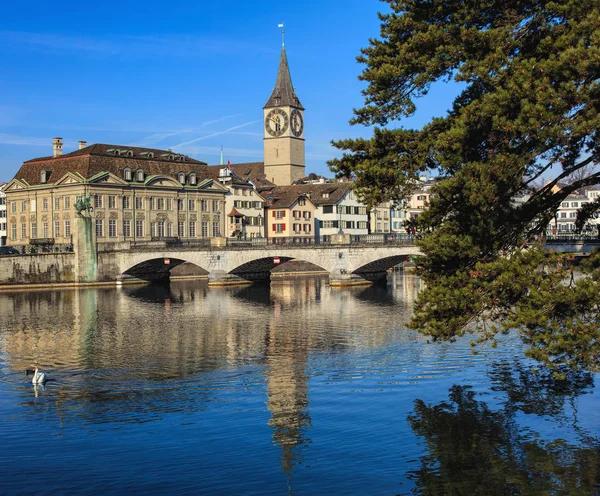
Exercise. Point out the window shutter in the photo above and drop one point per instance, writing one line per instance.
(274, 227)
(273, 213)
(283, 227)
(283, 215)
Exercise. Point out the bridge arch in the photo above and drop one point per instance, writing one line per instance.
(261, 268)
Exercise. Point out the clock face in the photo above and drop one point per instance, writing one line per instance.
(297, 124)
(276, 122)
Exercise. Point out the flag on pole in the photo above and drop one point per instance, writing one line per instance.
(228, 163)
(280, 25)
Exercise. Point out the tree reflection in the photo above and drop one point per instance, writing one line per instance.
(473, 449)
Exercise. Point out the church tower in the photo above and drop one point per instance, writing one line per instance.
(284, 130)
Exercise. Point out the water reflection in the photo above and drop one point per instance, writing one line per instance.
(473, 448)
(254, 359)
(102, 346)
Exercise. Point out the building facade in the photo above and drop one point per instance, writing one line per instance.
(337, 208)
(137, 194)
(3, 231)
(244, 207)
(289, 215)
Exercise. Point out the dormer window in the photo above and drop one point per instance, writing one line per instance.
(129, 153)
(171, 156)
(139, 175)
(181, 177)
(44, 177)
(127, 174)
(325, 195)
(193, 179)
(150, 154)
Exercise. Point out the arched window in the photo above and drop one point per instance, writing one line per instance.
(193, 179)
(181, 176)
(140, 175)
(44, 176)
(127, 174)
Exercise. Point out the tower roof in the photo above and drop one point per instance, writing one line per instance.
(283, 93)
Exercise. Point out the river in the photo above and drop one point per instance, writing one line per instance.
(292, 388)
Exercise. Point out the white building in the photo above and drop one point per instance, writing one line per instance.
(2, 215)
(244, 207)
(566, 216)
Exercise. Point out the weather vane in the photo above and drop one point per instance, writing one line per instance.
(282, 26)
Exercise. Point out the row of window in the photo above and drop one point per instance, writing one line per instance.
(248, 221)
(56, 231)
(140, 175)
(297, 214)
(242, 192)
(160, 229)
(247, 204)
(296, 228)
(157, 203)
(345, 209)
(346, 224)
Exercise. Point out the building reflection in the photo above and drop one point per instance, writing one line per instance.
(161, 348)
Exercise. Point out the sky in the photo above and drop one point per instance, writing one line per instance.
(190, 76)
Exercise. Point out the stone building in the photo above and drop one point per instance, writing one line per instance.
(137, 194)
(2, 214)
(284, 159)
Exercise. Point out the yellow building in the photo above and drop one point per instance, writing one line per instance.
(137, 194)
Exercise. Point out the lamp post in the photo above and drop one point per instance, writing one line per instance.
(375, 219)
(341, 231)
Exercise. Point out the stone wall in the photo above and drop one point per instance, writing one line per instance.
(45, 268)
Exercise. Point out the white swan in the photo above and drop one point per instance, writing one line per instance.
(38, 377)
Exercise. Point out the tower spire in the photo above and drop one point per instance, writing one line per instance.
(284, 93)
(282, 26)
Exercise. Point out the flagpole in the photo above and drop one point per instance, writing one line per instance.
(222, 163)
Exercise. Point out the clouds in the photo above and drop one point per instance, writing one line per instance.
(110, 45)
(212, 135)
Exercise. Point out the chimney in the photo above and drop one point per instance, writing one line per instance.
(82, 144)
(57, 145)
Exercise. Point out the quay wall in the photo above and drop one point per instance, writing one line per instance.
(44, 268)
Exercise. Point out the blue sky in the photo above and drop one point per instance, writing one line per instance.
(186, 75)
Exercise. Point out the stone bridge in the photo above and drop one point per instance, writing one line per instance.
(346, 264)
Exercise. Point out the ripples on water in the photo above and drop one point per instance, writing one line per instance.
(294, 388)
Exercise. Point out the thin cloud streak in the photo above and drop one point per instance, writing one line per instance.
(111, 45)
(157, 137)
(201, 138)
(14, 139)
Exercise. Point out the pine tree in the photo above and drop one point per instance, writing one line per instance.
(529, 108)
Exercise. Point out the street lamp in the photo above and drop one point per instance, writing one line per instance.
(375, 219)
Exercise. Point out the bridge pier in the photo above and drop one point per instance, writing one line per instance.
(341, 277)
(222, 278)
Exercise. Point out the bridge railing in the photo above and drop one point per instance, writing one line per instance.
(383, 238)
(287, 241)
(572, 238)
(172, 243)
